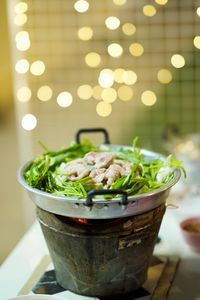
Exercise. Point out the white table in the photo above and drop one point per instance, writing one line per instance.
(24, 259)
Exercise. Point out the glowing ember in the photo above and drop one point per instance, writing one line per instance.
(80, 220)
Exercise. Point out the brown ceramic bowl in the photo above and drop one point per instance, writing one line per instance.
(191, 232)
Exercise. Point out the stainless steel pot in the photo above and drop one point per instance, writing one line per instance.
(97, 207)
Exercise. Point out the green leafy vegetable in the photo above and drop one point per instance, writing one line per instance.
(146, 173)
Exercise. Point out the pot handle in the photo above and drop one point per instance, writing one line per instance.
(91, 194)
(90, 130)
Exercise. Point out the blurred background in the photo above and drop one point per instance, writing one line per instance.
(132, 67)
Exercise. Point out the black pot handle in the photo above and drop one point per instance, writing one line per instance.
(90, 130)
(91, 194)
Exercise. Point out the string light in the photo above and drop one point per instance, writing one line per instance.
(148, 98)
(109, 95)
(161, 2)
(196, 42)
(129, 77)
(178, 61)
(29, 122)
(164, 76)
(21, 7)
(119, 2)
(85, 33)
(92, 59)
(22, 66)
(128, 28)
(136, 49)
(23, 45)
(103, 109)
(21, 35)
(22, 40)
(44, 93)
(106, 78)
(64, 99)
(24, 94)
(81, 6)
(104, 91)
(125, 93)
(112, 23)
(115, 50)
(149, 10)
(20, 19)
(85, 92)
(37, 68)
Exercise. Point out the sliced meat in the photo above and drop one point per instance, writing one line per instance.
(113, 173)
(125, 165)
(99, 159)
(75, 169)
(102, 167)
(90, 158)
(98, 175)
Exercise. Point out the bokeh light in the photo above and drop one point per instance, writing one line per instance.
(29, 122)
(21, 7)
(129, 77)
(85, 33)
(196, 41)
(198, 11)
(161, 2)
(37, 68)
(85, 91)
(23, 45)
(22, 41)
(109, 95)
(118, 75)
(24, 94)
(106, 78)
(81, 6)
(125, 93)
(164, 76)
(149, 10)
(136, 49)
(97, 91)
(44, 93)
(119, 2)
(178, 61)
(128, 28)
(21, 34)
(64, 99)
(103, 109)
(22, 66)
(112, 23)
(148, 98)
(20, 19)
(115, 50)
(93, 59)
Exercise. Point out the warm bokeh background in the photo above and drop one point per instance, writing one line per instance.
(150, 50)
(11, 208)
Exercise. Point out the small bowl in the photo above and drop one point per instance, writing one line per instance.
(191, 232)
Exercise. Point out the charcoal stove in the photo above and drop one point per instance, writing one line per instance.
(101, 258)
(161, 274)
